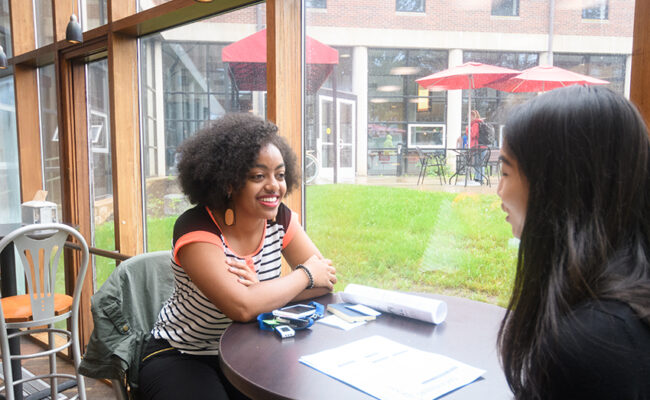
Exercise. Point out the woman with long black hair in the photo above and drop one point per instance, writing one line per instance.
(576, 189)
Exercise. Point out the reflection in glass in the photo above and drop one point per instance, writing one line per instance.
(184, 84)
(345, 157)
(604, 66)
(346, 121)
(101, 168)
(9, 173)
(395, 100)
(5, 28)
(49, 135)
(426, 136)
(43, 22)
(93, 14)
(342, 73)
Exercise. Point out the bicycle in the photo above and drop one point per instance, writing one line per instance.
(312, 166)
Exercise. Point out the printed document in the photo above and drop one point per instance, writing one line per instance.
(389, 370)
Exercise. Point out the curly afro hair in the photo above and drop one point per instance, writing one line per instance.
(219, 157)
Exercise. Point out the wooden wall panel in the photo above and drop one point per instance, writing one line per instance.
(22, 26)
(26, 95)
(283, 78)
(118, 9)
(29, 137)
(640, 77)
(125, 143)
(61, 12)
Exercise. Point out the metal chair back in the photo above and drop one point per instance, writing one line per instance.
(40, 247)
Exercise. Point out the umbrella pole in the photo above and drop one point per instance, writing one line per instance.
(469, 116)
(469, 110)
(469, 125)
(469, 130)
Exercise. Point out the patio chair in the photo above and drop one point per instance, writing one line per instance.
(493, 162)
(463, 160)
(124, 310)
(40, 247)
(436, 160)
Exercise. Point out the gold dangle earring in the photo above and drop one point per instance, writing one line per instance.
(229, 216)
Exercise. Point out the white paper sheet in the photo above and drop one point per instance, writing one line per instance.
(391, 371)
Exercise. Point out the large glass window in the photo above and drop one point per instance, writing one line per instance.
(5, 28)
(49, 135)
(608, 67)
(364, 206)
(396, 101)
(184, 84)
(505, 8)
(9, 172)
(596, 9)
(43, 22)
(93, 14)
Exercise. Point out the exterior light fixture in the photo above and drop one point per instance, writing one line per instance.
(3, 58)
(73, 32)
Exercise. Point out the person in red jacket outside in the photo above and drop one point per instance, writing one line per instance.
(474, 143)
(473, 132)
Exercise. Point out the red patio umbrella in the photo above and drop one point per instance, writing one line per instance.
(471, 75)
(247, 62)
(543, 78)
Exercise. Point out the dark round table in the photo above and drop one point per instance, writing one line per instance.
(263, 366)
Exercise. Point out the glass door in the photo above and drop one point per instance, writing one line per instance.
(337, 162)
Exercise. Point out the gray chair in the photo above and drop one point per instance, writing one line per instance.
(40, 247)
(124, 310)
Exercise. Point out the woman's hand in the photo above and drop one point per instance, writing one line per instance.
(244, 275)
(322, 271)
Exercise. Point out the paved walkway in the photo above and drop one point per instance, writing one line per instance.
(431, 183)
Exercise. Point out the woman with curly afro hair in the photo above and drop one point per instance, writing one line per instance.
(227, 254)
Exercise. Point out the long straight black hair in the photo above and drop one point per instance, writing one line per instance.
(585, 152)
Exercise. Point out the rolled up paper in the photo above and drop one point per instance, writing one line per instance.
(418, 307)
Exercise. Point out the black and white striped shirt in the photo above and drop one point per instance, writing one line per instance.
(188, 320)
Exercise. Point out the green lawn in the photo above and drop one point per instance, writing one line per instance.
(395, 238)
(406, 239)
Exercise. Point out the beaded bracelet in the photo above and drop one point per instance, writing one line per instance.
(309, 275)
